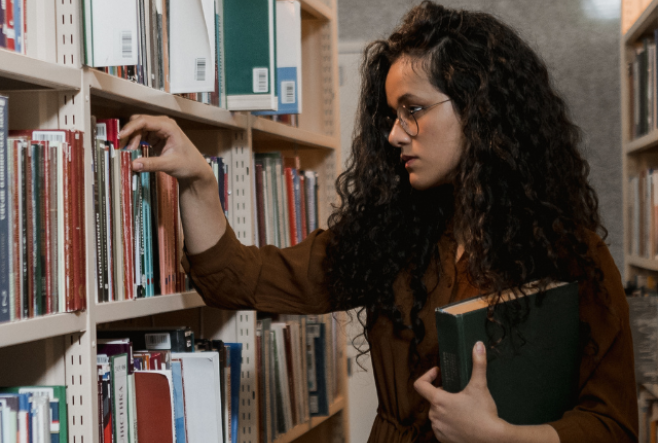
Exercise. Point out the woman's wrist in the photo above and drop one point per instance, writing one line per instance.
(509, 433)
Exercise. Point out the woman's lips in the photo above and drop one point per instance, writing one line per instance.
(407, 160)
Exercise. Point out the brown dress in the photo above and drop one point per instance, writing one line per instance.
(232, 276)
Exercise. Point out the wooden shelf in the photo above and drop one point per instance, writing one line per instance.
(19, 72)
(122, 98)
(38, 328)
(646, 22)
(317, 10)
(303, 428)
(122, 310)
(640, 144)
(641, 262)
(265, 130)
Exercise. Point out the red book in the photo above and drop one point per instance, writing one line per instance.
(290, 192)
(9, 25)
(126, 214)
(153, 399)
(302, 199)
(68, 255)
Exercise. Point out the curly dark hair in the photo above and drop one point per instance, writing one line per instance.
(521, 190)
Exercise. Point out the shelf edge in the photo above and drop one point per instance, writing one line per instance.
(123, 310)
(39, 328)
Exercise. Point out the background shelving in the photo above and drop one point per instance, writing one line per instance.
(50, 89)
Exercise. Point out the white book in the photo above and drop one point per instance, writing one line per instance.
(280, 361)
(192, 46)
(112, 27)
(203, 401)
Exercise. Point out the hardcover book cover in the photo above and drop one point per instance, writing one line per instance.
(533, 371)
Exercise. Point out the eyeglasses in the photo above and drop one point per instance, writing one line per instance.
(406, 117)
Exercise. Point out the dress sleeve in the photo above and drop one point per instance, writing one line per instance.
(606, 410)
(233, 276)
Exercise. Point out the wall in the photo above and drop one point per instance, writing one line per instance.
(578, 39)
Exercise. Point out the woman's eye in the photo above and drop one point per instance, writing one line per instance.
(414, 109)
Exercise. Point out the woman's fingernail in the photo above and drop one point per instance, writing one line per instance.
(479, 347)
(137, 166)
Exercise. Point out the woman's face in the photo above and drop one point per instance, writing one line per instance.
(430, 157)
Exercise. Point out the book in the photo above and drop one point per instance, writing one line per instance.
(179, 402)
(235, 350)
(111, 32)
(5, 220)
(201, 381)
(250, 56)
(119, 396)
(192, 45)
(288, 58)
(318, 396)
(532, 372)
(175, 339)
(153, 394)
(46, 394)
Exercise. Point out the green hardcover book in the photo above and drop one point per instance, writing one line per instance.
(120, 398)
(250, 45)
(532, 372)
(55, 393)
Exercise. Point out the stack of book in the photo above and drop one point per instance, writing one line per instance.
(200, 49)
(286, 200)
(42, 252)
(642, 214)
(138, 229)
(36, 414)
(13, 26)
(296, 366)
(642, 85)
(162, 385)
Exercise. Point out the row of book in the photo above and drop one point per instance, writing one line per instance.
(137, 223)
(648, 416)
(42, 229)
(296, 359)
(642, 214)
(286, 206)
(163, 385)
(643, 87)
(200, 48)
(33, 414)
(13, 27)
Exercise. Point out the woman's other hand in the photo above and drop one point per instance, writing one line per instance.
(468, 416)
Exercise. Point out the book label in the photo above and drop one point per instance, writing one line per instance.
(260, 78)
(158, 341)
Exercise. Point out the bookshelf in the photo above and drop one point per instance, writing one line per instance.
(49, 88)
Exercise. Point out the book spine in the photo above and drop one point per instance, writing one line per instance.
(260, 204)
(126, 213)
(5, 226)
(453, 362)
(54, 229)
(292, 213)
(17, 257)
(68, 241)
(98, 218)
(45, 230)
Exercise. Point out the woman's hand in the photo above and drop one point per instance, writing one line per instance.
(468, 416)
(201, 212)
(177, 155)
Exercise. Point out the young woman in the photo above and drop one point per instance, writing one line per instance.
(465, 178)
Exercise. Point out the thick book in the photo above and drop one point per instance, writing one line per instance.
(111, 32)
(288, 58)
(250, 56)
(533, 368)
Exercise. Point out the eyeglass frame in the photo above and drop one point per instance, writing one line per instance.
(404, 122)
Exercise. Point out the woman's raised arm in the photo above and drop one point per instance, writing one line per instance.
(201, 211)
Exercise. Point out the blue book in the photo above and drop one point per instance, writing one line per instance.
(5, 224)
(54, 421)
(179, 405)
(148, 237)
(235, 356)
(18, 27)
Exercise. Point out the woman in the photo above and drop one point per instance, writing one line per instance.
(465, 178)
